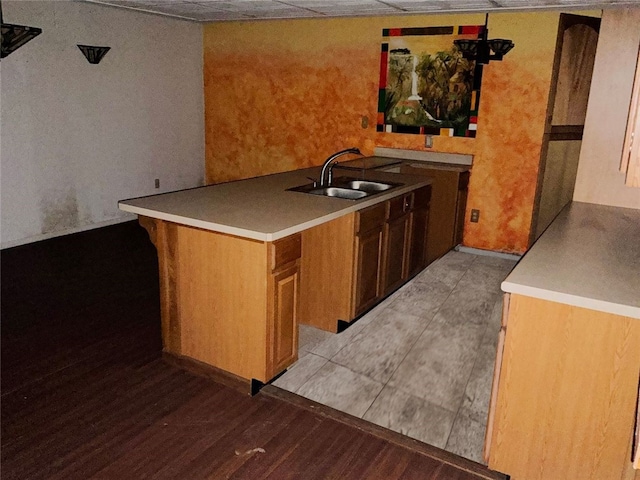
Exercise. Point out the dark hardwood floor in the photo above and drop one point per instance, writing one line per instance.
(86, 394)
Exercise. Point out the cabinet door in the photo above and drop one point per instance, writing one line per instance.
(396, 242)
(419, 231)
(368, 268)
(568, 380)
(396, 234)
(442, 217)
(284, 318)
(418, 241)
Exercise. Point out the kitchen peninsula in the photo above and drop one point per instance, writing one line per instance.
(230, 259)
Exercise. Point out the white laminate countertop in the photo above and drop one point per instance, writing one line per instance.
(588, 257)
(261, 208)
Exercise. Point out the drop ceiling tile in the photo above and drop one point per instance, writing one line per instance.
(314, 3)
(122, 3)
(220, 10)
(355, 8)
(162, 2)
(186, 7)
(419, 5)
(523, 3)
(249, 6)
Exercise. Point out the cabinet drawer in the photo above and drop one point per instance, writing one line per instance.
(398, 206)
(286, 250)
(370, 218)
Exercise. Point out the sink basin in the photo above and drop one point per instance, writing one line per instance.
(346, 188)
(339, 192)
(367, 186)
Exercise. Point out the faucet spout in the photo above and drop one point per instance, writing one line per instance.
(326, 175)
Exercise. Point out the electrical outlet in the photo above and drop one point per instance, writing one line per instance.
(364, 121)
(428, 141)
(475, 215)
(157, 183)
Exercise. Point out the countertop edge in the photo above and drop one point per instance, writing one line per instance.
(191, 222)
(272, 236)
(573, 300)
(586, 258)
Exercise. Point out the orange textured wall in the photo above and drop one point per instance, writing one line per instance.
(282, 95)
(513, 105)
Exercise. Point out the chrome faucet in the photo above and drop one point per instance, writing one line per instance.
(328, 164)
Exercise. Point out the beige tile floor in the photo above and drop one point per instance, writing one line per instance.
(421, 362)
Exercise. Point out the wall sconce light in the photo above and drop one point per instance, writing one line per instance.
(15, 36)
(480, 50)
(93, 54)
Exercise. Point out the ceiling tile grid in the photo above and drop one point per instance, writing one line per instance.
(226, 10)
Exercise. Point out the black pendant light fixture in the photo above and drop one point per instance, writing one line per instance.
(15, 36)
(483, 50)
(93, 54)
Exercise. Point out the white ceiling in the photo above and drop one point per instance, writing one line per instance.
(223, 10)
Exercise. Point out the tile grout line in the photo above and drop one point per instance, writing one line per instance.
(466, 384)
(378, 317)
(475, 362)
(416, 341)
(399, 363)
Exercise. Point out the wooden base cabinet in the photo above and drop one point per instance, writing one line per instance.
(448, 206)
(397, 230)
(228, 302)
(419, 238)
(351, 263)
(283, 288)
(369, 257)
(565, 393)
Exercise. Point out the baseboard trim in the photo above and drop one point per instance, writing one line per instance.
(69, 231)
(209, 371)
(488, 253)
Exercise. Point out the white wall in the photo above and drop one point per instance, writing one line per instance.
(599, 179)
(76, 137)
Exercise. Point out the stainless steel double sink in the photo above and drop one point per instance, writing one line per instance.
(347, 188)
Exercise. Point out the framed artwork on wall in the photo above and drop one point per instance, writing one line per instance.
(426, 86)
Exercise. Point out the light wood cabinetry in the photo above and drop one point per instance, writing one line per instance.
(397, 230)
(228, 302)
(565, 393)
(326, 273)
(448, 206)
(282, 315)
(369, 254)
(284, 341)
(599, 179)
(351, 263)
(419, 231)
